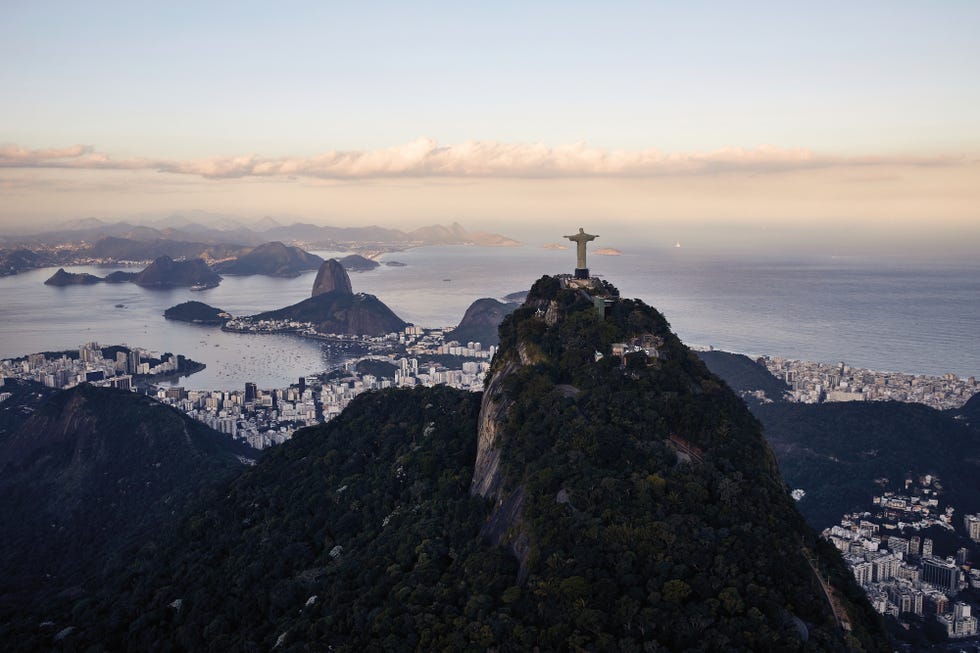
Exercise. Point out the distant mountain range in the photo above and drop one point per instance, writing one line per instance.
(309, 236)
(236, 247)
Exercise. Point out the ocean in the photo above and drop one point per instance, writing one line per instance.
(884, 314)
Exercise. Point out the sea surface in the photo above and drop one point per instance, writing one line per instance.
(885, 314)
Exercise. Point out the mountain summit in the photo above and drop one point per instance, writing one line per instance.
(332, 277)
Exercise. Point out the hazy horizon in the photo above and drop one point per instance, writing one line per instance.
(783, 126)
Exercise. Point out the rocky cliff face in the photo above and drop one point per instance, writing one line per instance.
(488, 479)
(332, 278)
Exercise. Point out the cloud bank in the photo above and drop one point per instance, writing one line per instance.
(425, 158)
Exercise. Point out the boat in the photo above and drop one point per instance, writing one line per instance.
(200, 286)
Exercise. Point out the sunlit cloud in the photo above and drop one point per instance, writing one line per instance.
(426, 158)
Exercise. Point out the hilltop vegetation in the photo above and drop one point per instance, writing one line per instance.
(835, 451)
(88, 476)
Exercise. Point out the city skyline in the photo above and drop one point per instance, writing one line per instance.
(778, 120)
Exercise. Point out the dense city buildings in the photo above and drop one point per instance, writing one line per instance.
(818, 382)
(265, 417)
(897, 569)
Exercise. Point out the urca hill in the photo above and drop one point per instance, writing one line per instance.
(606, 493)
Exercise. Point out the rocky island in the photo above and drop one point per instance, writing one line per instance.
(197, 313)
(165, 272)
(62, 278)
(358, 263)
(607, 251)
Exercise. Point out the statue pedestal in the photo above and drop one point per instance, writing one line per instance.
(581, 273)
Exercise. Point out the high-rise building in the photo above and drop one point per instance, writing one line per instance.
(134, 361)
(972, 523)
(898, 545)
(915, 545)
(962, 555)
(862, 573)
(251, 392)
(941, 574)
(926, 547)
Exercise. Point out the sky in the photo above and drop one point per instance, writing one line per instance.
(854, 122)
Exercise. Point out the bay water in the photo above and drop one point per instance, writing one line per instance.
(884, 314)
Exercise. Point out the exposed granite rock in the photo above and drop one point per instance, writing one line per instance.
(487, 478)
(332, 278)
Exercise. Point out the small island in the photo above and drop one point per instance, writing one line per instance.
(62, 278)
(395, 264)
(165, 272)
(358, 263)
(197, 313)
(607, 251)
(555, 246)
(120, 276)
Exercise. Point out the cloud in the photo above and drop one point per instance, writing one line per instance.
(425, 158)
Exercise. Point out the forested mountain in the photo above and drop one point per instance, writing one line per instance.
(743, 374)
(481, 321)
(836, 451)
(584, 502)
(274, 259)
(87, 476)
(165, 272)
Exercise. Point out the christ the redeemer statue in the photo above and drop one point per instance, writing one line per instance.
(580, 239)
